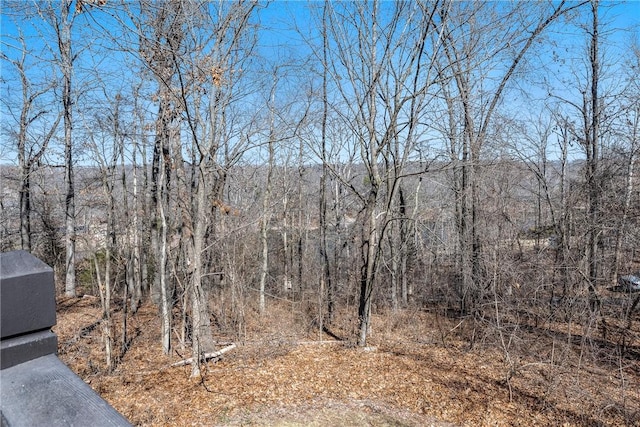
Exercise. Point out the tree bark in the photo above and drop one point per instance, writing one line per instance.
(66, 65)
(593, 158)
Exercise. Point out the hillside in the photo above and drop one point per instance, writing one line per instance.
(419, 370)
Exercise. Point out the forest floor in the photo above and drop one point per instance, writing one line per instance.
(419, 370)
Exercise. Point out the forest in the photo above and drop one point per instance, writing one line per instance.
(402, 177)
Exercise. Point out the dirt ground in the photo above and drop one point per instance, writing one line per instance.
(417, 371)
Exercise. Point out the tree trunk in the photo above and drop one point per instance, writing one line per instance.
(25, 205)
(161, 265)
(64, 44)
(201, 338)
(593, 156)
(368, 271)
(264, 231)
(324, 250)
(264, 225)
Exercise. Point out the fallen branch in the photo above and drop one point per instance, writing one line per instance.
(206, 356)
(318, 342)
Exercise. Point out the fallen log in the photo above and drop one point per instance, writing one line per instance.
(206, 356)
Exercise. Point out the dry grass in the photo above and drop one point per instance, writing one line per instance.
(418, 371)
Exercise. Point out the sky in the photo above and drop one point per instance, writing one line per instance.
(278, 18)
(278, 38)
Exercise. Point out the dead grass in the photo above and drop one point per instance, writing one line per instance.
(418, 371)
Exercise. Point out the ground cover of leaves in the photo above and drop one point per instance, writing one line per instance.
(417, 371)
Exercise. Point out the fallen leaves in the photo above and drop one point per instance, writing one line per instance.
(398, 381)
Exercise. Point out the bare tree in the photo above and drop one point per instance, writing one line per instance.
(266, 198)
(161, 38)
(61, 21)
(587, 119)
(327, 281)
(63, 24)
(198, 74)
(382, 85)
(30, 150)
(592, 116)
(470, 50)
(585, 129)
(630, 133)
(107, 142)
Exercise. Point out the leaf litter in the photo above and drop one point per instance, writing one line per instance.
(410, 376)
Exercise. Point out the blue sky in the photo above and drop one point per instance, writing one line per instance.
(279, 17)
(278, 38)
